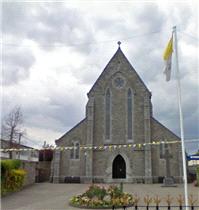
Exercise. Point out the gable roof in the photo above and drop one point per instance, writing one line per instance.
(5, 144)
(73, 128)
(119, 55)
(160, 124)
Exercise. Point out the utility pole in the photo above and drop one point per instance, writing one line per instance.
(44, 154)
(10, 142)
(181, 120)
(19, 143)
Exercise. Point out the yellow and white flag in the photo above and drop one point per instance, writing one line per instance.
(167, 56)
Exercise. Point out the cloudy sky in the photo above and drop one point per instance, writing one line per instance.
(53, 52)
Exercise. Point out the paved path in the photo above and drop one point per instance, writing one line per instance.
(47, 196)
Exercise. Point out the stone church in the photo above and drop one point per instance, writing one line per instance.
(118, 112)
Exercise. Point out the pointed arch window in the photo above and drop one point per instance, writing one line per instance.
(77, 150)
(130, 114)
(108, 114)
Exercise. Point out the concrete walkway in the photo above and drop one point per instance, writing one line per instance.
(47, 196)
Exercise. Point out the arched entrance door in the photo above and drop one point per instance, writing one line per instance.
(119, 168)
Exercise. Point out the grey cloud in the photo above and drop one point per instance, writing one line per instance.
(147, 59)
(111, 26)
(65, 26)
(148, 62)
(150, 18)
(182, 11)
(53, 24)
(50, 117)
(168, 113)
(142, 20)
(170, 119)
(59, 111)
(70, 107)
(16, 64)
(47, 24)
(87, 74)
(14, 16)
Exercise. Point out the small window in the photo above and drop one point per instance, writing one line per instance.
(162, 150)
(74, 152)
(77, 151)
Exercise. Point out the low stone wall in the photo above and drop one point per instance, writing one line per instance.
(30, 168)
(43, 169)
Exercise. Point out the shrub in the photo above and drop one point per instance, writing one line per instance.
(7, 165)
(114, 191)
(15, 179)
(12, 178)
(197, 176)
(100, 197)
(96, 191)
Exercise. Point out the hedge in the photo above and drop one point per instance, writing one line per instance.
(12, 177)
(197, 175)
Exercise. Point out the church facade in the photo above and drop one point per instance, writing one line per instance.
(118, 114)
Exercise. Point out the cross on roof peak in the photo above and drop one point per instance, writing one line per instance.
(119, 43)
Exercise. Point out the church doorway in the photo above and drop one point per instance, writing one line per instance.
(119, 168)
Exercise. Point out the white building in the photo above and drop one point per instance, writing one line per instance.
(26, 154)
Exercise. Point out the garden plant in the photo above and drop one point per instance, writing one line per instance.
(12, 177)
(101, 197)
(197, 176)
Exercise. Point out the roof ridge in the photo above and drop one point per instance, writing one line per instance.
(165, 127)
(57, 140)
(119, 51)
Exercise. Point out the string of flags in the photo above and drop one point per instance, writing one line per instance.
(90, 147)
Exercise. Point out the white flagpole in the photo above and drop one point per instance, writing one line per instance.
(181, 118)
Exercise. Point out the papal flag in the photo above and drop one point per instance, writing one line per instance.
(168, 58)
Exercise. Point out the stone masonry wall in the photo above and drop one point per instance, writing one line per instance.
(119, 67)
(67, 166)
(141, 163)
(118, 103)
(160, 132)
(134, 163)
(30, 167)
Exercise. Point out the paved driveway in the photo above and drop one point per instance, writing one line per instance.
(47, 196)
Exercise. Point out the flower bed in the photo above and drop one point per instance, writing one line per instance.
(101, 197)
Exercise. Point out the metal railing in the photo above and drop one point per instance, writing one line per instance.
(162, 207)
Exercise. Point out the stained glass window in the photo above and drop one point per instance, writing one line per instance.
(108, 113)
(76, 150)
(119, 82)
(129, 117)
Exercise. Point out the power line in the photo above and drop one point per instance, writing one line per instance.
(191, 36)
(85, 43)
(32, 141)
(95, 42)
(191, 140)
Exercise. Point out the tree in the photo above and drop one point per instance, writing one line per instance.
(197, 153)
(11, 126)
